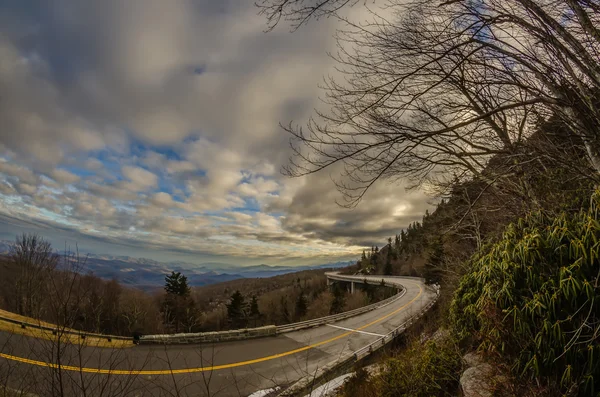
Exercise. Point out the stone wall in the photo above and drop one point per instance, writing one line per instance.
(210, 337)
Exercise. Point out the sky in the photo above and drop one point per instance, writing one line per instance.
(150, 128)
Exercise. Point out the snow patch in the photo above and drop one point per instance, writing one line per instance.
(265, 392)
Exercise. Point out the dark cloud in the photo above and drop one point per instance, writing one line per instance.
(153, 125)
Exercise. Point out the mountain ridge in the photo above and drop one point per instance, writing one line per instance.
(148, 274)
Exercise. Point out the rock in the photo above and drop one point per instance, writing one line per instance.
(439, 334)
(472, 359)
(374, 369)
(478, 381)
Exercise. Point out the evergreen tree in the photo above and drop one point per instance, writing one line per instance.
(237, 310)
(285, 312)
(403, 242)
(433, 266)
(370, 290)
(254, 310)
(301, 305)
(375, 257)
(337, 305)
(387, 270)
(178, 308)
(176, 284)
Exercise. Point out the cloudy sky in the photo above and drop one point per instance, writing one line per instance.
(149, 128)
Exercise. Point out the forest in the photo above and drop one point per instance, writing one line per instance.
(42, 284)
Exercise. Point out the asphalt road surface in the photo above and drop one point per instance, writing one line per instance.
(223, 369)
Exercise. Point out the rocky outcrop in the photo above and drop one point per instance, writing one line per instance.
(472, 359)
(480, 379)
(476, 381)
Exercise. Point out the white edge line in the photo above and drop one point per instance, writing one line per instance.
(354, 330)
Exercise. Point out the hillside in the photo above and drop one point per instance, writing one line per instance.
(519, 281)
(123, 295)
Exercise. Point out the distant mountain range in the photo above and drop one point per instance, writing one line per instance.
(149, 274)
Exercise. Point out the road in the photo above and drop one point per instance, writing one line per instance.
(224, 369)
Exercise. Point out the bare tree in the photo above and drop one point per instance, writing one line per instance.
(439, 88)
(35, 260)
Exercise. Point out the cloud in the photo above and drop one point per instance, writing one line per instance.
(63, 176)
(140, 178)
(154, 125)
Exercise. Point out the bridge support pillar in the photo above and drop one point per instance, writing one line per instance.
(328, 282)
(352, 287)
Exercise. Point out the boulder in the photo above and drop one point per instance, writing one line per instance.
(472, 359)
(478, 381)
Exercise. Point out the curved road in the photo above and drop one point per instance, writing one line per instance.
(224, 369)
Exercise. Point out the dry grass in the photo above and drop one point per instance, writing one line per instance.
(91, 341)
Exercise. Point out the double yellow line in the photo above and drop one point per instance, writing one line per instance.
(202, 369)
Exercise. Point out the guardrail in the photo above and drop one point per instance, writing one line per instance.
(239, 334)
(306, 384)
(56, 331)
(370, 348)
(210, 337)
(272, 330)
(340, 316)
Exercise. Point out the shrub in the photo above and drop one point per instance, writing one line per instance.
(423, 370)
(534, 298)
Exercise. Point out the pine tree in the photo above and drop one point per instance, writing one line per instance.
(387, 270)
(237, 310)
(433, 266)
(301, 306)
(337, 305)
(176, 284)
(369, 289)
(285, 313)
(178, 308)
(254, 310)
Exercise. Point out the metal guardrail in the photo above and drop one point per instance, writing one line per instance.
(195, 338)
(340, 316)
(374, 280)
(371, 347)
(248, 333)
(56, 331)
(306, 383)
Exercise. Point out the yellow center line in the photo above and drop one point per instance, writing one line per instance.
(202, 369)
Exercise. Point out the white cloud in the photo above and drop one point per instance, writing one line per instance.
(141, 179)
(185, 95)
(175, 166)
(63, 176)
